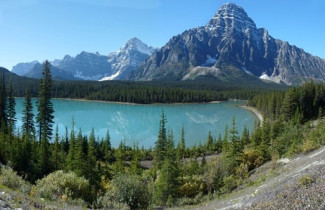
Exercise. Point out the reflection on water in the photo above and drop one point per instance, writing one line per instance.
(140, 123)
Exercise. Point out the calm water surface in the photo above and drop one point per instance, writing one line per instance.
(140, 123)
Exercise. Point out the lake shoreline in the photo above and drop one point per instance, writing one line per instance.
(254, 111)
(131, 103)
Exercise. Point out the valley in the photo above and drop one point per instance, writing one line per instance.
(223, 115)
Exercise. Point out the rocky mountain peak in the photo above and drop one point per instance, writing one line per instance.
(136, 44)
(231, 17)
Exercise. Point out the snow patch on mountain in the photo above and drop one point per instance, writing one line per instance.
(112, 77)
(275, 79)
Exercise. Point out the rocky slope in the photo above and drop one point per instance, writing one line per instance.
(230, 40)
(296, 183)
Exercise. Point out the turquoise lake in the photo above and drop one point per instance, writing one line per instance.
(140, 123)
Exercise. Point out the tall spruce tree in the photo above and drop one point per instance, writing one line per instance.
(161, 143)
(181, 146)
(167, 181)
(28, 116)
(3, 104)
(92, 173)
(45, 106)
(11, 108)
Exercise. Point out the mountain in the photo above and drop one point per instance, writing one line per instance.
(4, 71)
(57, 74)
(128, 58)
(87, 66)
(230, 40)
(93, 66)
(23, 68)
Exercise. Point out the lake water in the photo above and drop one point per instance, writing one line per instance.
(140, 123)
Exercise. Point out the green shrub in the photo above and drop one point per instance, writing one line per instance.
(305, 181)
(10, 179)
(230, 184)
(62, 186)
(191, 186)
(134, 191)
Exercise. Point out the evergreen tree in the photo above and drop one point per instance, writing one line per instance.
(45, 107)
(209, 143)
(120, 158)
(3, 104)
(70, 166)
(167, 181)
(92, 173)
(160, 145)
(219, 144)
(11, 108)
(56, 150)
(181, 146)
(44, 156)
(27, 120)
(79, 155)
(135, 162)
(245, 137)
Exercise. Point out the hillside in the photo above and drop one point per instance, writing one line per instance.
(288, 183)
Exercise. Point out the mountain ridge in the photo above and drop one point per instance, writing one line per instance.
(231, 38)
(94, 66)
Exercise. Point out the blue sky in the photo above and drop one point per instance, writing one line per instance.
(49, 29)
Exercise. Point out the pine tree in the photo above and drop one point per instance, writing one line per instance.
(235, 147)
(167, 181)
(56, 150)
(92, 173)
(107, 148)
(120, 158)
(135, 162)
(209, 143)
(70, 166)
(27, 120)
(3, 104)
(45, 107)
(160, 145)
(181, 146)
(79, 155)
(245, 137)
(11, 108)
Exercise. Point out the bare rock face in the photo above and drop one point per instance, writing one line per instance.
(230, 38)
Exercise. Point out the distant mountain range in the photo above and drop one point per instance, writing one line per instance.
(92, 66)
(229, 48)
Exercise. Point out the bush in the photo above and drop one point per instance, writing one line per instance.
(252, 158)
(134, 191)
(230, 183)
(10, 179)
(63, 186)
(306, 181)
(191, 186)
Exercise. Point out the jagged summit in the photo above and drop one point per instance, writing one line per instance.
(231, 16)
(135, 44)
